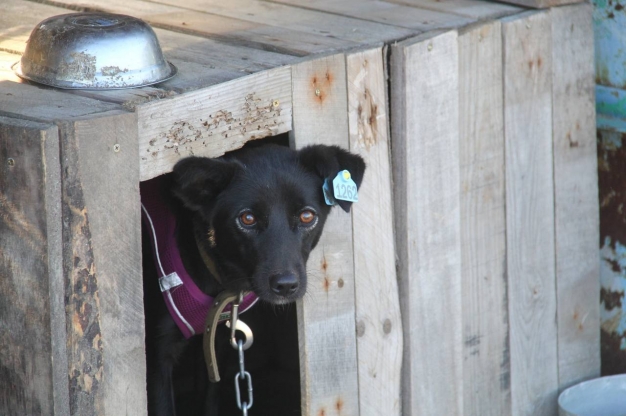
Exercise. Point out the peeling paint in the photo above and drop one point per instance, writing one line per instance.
(612, 177)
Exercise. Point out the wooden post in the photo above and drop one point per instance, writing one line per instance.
(486, 368)
(576, 194)
(425, 144)
(326, 326)
(102, 265)
(32, 318)
(530, 213)
(378, 323)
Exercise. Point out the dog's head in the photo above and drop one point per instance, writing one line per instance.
(262, 211)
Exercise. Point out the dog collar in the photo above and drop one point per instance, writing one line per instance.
(187, 304)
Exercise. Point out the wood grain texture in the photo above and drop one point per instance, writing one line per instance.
(214, 120)
(31, 357)
(419, 20)
(232, 30)
(102, 264)
(425, 135)
(201, 62)
(486, 370)
(576, 194)
(530, 213)
(326, 326)
(378, 321)
(352, 31)
(35, 102)
(476, 9)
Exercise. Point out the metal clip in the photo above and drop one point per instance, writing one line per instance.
(210, 328)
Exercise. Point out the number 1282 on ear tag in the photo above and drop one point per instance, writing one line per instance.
(344, 187)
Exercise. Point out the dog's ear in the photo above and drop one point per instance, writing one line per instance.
(327, 161)
(198, 180)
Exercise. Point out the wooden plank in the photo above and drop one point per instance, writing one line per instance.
(541, 4)
(102, 265)
(486, 370)
(214, 120)
(355, 31)
(326, 326)
(31, 101)
(425, 133)
(576, 194)
(17, 20)
(32, 318)
(230, 30)
(201, 62)
(477, 9)
(379, 325)
(383, 12)
(530, 213)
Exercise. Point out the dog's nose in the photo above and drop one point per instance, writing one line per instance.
(284, 284)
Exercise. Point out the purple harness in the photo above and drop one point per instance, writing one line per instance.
(187, 304)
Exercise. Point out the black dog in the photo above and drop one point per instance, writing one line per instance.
(256, 214)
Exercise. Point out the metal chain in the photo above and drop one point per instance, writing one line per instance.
(239, 346)
(241, 375)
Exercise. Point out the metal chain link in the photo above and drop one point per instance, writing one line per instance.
(239, 346)
(241, 375)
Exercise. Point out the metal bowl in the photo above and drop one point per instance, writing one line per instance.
(94, 51)
(605, 396)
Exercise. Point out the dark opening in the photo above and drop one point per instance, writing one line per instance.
(272, 361)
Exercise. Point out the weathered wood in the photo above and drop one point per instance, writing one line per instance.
(476, 9)
(214, 120)
(32, 318)
(35, 102)
(530, 213)
(486, 371)
(102, 265)
(326, 325)
(226, 29)
(576, 194)
(17, 20)
(383, 12)
(378, 322)
(541, 4)
(353, 31)
(425, 134)
(201, 62)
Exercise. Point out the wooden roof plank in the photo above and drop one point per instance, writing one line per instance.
(226, 29)
(477, 9)
(384, 12)
(299, 20)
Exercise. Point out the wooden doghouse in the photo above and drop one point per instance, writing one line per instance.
(482, 300)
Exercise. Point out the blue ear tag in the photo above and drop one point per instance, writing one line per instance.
(344, 187)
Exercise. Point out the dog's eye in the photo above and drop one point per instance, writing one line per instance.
(247, 218)
(307, 217)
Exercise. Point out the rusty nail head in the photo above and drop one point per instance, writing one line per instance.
(318, 92)
(116, 147)
(11, 161)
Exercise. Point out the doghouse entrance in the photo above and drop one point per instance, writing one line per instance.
(272, 361)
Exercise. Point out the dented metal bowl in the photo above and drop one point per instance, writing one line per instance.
(94, 51)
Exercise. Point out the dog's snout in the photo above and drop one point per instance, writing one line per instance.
(284, 284)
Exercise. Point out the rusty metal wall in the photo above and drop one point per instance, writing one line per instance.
(610, 47)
